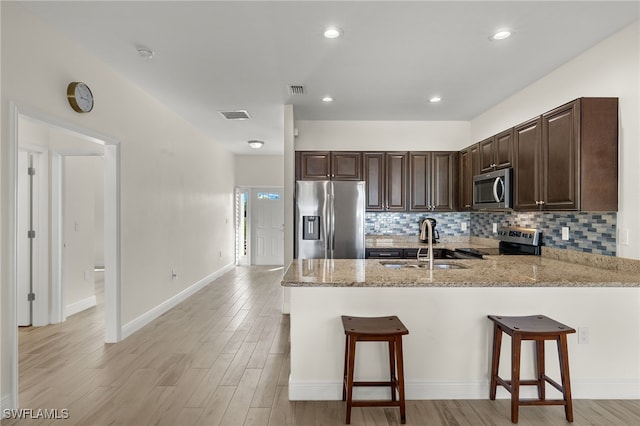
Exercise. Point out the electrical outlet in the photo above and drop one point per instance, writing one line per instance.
(583, 335)
(565, 233)
(174, 274)
(463, 226)
(495, 228)
(623, 236)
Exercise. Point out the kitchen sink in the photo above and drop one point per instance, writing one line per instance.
(421, 265)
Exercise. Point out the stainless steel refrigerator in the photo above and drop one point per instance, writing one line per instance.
(330, 219)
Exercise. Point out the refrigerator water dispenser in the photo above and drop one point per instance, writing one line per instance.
(311, 227)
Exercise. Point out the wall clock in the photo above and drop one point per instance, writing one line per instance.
(80, 97)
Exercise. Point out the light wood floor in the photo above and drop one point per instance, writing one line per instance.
(222, 358)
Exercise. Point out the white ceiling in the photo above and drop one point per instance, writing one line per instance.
(393, 56)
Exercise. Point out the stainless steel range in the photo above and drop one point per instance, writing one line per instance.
(513, 241)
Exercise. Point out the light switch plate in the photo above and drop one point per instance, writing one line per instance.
(565, 233)
(463, 226)
(495, 228)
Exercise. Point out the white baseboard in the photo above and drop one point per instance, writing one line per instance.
(80, 306)
(472, 389)
(144, 319)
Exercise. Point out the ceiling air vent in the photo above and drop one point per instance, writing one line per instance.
(240, 114)
(296, 90)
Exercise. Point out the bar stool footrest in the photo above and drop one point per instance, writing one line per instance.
(394, 383)
(374, 403)
(542, 402)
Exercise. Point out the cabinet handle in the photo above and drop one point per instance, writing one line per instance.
(467, 206)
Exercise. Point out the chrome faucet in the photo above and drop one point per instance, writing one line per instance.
(427, 223)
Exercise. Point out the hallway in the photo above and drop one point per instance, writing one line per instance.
(221, 358)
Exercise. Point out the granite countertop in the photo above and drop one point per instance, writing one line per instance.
(493, 271)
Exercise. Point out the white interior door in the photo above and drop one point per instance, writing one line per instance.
(24, 249)
(267, 226)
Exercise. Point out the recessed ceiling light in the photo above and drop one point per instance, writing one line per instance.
(435, 99)
(501, 35)
(327, 99)
(332, 32)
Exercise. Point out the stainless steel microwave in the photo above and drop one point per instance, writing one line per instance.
(493, 190)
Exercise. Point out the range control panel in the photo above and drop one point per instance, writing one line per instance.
(514, 234)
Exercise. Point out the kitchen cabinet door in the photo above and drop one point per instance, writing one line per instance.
(503, 149)
(346, 165)
(469, 166)
(496, 152)
(526, 180)
(374, 175)
(433, 181)
(444, 182)
(560, 172)
(396, 181)
(313, 165)
(390, 253)
(487, 157)
(420, 181)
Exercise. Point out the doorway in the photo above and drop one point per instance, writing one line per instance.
(267, 226)
(111, 150)
(259, 226)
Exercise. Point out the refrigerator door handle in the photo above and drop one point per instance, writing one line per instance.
(326, 224)
(333, 226)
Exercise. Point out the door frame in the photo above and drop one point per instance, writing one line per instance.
(113, 327)
(243, 260)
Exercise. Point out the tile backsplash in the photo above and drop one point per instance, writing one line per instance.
(589, 232)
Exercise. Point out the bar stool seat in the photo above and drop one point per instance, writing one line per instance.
(538, 328)
(377, 329)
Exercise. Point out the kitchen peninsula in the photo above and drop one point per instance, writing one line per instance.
(448, 349)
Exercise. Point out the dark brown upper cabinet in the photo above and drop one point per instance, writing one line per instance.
(469, 166)
(496, 152)
(346, 165)
(433, 181)
(328, 165)
(567, 159)
(527, 164)
(386, 177)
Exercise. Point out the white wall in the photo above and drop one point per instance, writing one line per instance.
(79, 226)
(382, 135)
(260, 170)
(176, 184)
(610, 69)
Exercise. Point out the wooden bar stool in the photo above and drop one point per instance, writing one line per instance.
(378, 329)
(538, 328)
